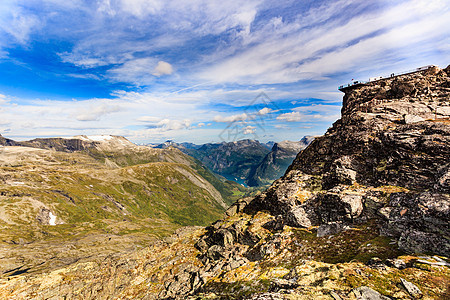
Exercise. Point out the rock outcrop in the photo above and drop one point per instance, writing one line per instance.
(385, 163)
(386, 158)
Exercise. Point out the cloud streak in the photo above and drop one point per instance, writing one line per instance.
(290, 117)
(96, 112)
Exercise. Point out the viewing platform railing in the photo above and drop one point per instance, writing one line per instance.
(360, 82)
(353, 83)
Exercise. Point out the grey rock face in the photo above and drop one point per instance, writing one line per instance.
(396, 263)
(422, 242)
(7, 142)
(298, 217)
(184, 283)
(412, 289)
(43, 216)
(366, 293)
(329, 229)
(268, 296)
(419, 221)
(385, 159)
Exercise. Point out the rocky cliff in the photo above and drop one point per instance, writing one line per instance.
(381, 170)
(362, 213)
(387, 158)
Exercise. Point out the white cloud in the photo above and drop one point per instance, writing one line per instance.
(290, 117)
(3, 100)
(141, 8)
(94, 113)
(318, 112)
(85, 76)
(162, 68)
(140, 71)
(289, 52)
(135, 70)
(249, 130)
(128, 32)
(141, 117)
(15, 22)
(264, 111)
(282, 126)
(412, 36)
(83, 60)
(316, 108)
(229, 119)
(167, 124)
(149, 119)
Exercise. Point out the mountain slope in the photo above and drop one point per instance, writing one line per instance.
(275, 163)
(244, 160)
(376, 185)
(233, 159)
(93, 187)
(387, 158)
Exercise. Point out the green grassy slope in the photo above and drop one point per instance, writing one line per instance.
(131, 195)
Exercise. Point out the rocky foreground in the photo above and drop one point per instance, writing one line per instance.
(362, 213)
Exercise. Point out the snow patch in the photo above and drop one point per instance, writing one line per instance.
(52, 220)
(96, 138)
(17, 183)
(99, 138)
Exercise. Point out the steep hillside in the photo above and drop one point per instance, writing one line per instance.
(6, 142)
(276, 162)
(98, 194)
(233, 159)
(244, 161)
(362, 213)
(181, 146)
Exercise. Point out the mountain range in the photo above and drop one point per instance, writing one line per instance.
(361, 213)
(248, 162)
(276, 162)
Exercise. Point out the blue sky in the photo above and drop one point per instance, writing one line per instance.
(201, 70)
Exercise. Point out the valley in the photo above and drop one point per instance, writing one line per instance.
(61, 203)
(247, 162)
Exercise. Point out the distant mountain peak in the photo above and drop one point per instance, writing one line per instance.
(97, 138)
(276, 162)
(112, 140)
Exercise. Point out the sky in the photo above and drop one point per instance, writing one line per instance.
(202, 70)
